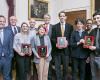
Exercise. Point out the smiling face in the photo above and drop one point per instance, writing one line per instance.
(47, 19)
(24, 27)
(97, 19)
(41, 31)
(62, 17)
(2, 22)
(32, 23)
(13, 20)
(89, 24)
(79, 25)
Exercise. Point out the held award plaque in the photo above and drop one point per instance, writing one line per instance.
(26, 49)
(89, 41)
(42, 51)
(61, 41)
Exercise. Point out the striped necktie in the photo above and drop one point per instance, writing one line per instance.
(15, 31)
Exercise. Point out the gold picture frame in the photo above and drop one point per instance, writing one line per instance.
(95, 6)
(37, 9)
(92, 2)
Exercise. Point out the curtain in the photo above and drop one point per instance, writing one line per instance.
(10, 4)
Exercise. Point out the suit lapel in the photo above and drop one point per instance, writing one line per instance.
(59, 29)
(66, 28)
(49, 33)
(4, 36)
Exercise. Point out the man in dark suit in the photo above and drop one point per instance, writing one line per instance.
(14, 29)
(95, 55)
(13, 26)
(61, 55)
(79, 53)
(6, 49)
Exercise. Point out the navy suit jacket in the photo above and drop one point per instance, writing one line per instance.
(77, 50)
(7, 46)
(56, 32)
(10, 28)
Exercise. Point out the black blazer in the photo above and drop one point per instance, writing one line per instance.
(94, 33)
(56, 32)
(77, 50)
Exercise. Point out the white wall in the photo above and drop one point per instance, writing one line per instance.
(55, 6)
(21, 10)
(4, 9)
(68, 5)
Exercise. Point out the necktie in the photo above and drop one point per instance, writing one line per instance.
(62, 29)
(15, 31)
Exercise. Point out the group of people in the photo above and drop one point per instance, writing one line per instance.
(44, 51)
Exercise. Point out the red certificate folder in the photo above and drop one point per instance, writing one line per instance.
(42, 51)
(89, 41)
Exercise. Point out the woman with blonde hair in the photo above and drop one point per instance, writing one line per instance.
(22, 46)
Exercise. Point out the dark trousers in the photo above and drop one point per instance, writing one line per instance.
(78, 65)
(88, 72)
(51, 73)
(64, 60)
(23, 67)
(5, 67)
(95, 69)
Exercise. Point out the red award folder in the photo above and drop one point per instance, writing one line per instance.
(89, 41)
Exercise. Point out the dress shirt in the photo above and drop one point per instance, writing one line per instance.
(1, 35)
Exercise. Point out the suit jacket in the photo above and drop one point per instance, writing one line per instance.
(10, 28)
(94, 33)
(36, 42)
(7, 46)
(56, 32)
(77, 50)
(50, 31)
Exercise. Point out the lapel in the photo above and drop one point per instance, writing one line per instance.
(18, 29)
(4, 36)
(66, 28)
(59, 29)
(0, 42)
(49, 32)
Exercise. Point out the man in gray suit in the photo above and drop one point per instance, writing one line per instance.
(48, 26)
(6, 49)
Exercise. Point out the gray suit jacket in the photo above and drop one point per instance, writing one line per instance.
(36, 42)
(50, 31)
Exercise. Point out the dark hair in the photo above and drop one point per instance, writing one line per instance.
(41, 26)
(89, 20)
(96, 12)
(79, 20)
(62, 12)
(24, 23)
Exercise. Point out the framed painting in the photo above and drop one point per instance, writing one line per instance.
(95, 6)
(37, 9)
